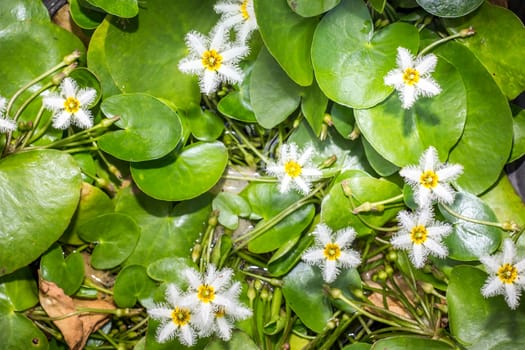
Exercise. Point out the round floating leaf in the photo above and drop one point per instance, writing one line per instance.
(132, 285)
(66, 273)
(409, 342)
(288, 37)
(307, 8)
(482, 323)
(116, 236)
(302, 288)
(170, 269)
(12, 11)
(191, 173)
(20, 289)
(205, 125)
(499, 53)
(268, 82)
(150, 129)
(166, 230)
(43, 188)
(239, 340)
(121, 8)
(436, 121)
(85, 16)
(382, 166)
(469, 240)
(230, 206)
(350, 68)
(144, 57)
(450, 8)
(482, 152)
(507, 205)
(19, 332)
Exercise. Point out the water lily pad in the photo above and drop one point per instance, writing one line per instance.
(115, 235)
(307, 8)
(85, 15)
(170, 269)
(20, 289)
(67, 273)
(230, 207)
(193, 171)
(132, 285)
(150, 129)
(450, 8)
(205, 125)
(20, 332)
(43, 187)
(12, 11)
(518, 145)
(350, 68)
(121, 8)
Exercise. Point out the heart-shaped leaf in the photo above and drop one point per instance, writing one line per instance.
(67, 273)
(205, 125)
(450, 8)
(150, 129)
(191, 172)
(230, 206)
(132, 285)
(350, 68)
(84, 15)
(116, 236)
(43, 187)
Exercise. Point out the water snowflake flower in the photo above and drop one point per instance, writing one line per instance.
(421, 236)
(209, 293)
(412, 77)
(238, 14)
(213, 59)
(6, 124)
(331, 252)
(70, 105)
(506, 275)
(430, 180)
(177, 321)
(294, 169)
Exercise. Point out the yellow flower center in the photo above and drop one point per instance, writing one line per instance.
(211, 60)
(244, 10)
(71, 105)
(332, 251)
(418, 234)
(507, 273)
(429, 179)
(292, 168)
(410, 76)
(180, 316)
(206, 293)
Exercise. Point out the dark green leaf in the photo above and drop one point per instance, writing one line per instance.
(19, 289)
(450, 8)
(66, 273)
(308, 8)
(120, 8)
(132, 285)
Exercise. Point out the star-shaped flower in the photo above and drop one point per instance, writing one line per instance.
(294, 169)
(506, 274)
(6, 124)
(213, 59)
(238, 14)
(421, 235)
(430, 180)
(177, 321)
(70, 105)
(332, 253)
(412, 77)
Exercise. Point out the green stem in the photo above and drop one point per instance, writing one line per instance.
(251, 178)
(247, 142)
(474, 221)
(376, 206)
(108, 339)
(461, 34)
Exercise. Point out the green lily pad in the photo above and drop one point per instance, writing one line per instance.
(518, 145)
(154, 48)
(170, 269)
(150, 129)
(403, 342)
(19, 288)
(230, 207)
(266, 201)
(382, 166)
(478, 322)
(239, 340)
(450, 8)
(116, 236)
(43, 188)
(195, 170)
(166, 230)
(436, 121)
(268, 82)
(313, 106)
(286, 262)
(12, 11)
(67, 273)
(288, 37)
(499, 53)
(350, 68)
(505, 202)
(19, 332)
(469, 240)
(205, 125)
(307, 8)
(132, 285)
(482, 152)
(121, 8)
(85, 15)
(343, 119)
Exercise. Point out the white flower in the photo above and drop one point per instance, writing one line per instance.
(224, 317)
(214, 60)
(70, 105)
(412, 77)
(332, 253)
(294, 169)
(209, 293)
(430, 180)
(506, 275)
(421, 235)
(176, 320)
(238, 14)
(6, 124)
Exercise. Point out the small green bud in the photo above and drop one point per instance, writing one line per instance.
(382, 275)
(391, 256)
(72, 57)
